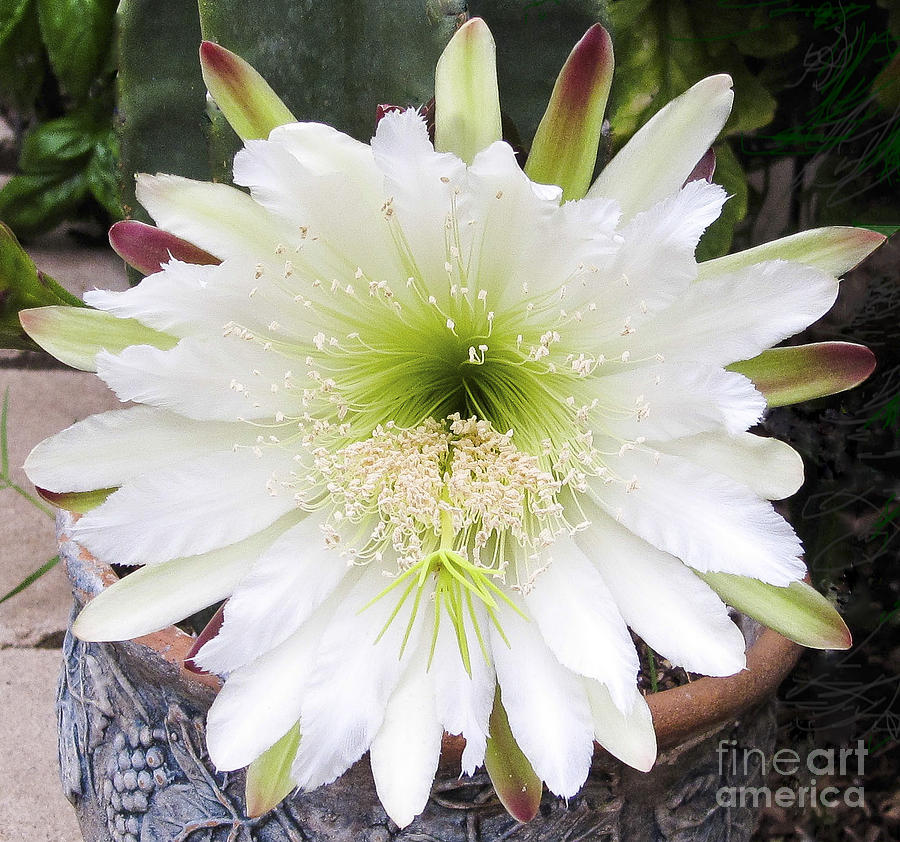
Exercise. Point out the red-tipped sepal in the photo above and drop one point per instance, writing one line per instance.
(146, 248)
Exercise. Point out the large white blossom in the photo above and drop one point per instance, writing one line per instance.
(432, 430)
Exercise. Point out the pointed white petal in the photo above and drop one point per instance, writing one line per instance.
(325, 184)
(202, 505)
(707, 520)
(157, 595)
(464, 702)
(186, 300)
(546, 704)
(114, 447)
(668, 400)
(289, 581)
(631, 736)
(663, 152)
(768, 467)
(669, 607)
(407, 747)
(352, 679)
(710, 323)
(224, 221)
(578, 618)
(212, 378)
(262, 700)
(654, 263)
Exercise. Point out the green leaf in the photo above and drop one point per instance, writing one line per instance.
(53, 146)
(799, 612)
(78, 36)
(515, 782)
(76, 335)
(31, 204)
(22, 61)
(22, 286)
(269, 778)
(30, 579)
(805, 372)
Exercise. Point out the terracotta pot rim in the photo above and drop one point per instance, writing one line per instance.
(680, 714)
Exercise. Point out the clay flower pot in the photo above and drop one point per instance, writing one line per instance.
(134, 763)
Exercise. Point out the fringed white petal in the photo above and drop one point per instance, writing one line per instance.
(673, 611)
(708, 521)
(628, 736)
(218, 218)
(578, 618)
(202, 505)
(407, 747)
(546, 704)
(289, 581)
(735, 317)
(262, 700)
(768, 467)
(352, 679)
(668, 400)
(160, 594)
(211, 379)
(464, 701)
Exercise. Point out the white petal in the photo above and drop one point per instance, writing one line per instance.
(407, 747)
(186, 300)
(464, 702)
(157, 595)
(735, 317)
(670, 608)
(352, 679)
(262, 700)
(546, 705)
(655, 261)
(669, 400)
(286, 584)
(767, 466)
(202, 505)
(630, 737)
(421, 184)
(114, 447)
(318, 179)
(708, 521)
(579, 620)
(216, 217)
(223, 378)
(662, 153)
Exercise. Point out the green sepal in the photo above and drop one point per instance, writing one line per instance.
(565, 146)
(248, 102)
(517, 785)
(804, 372)
(798, 611)
(22, 286)
(466, 96)
(75, 336)
(269, 779)
(79, 502)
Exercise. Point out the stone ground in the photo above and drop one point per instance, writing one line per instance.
(41, 401)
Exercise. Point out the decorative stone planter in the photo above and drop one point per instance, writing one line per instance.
(134, 764)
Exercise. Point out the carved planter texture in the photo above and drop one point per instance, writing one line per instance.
(134, 764)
